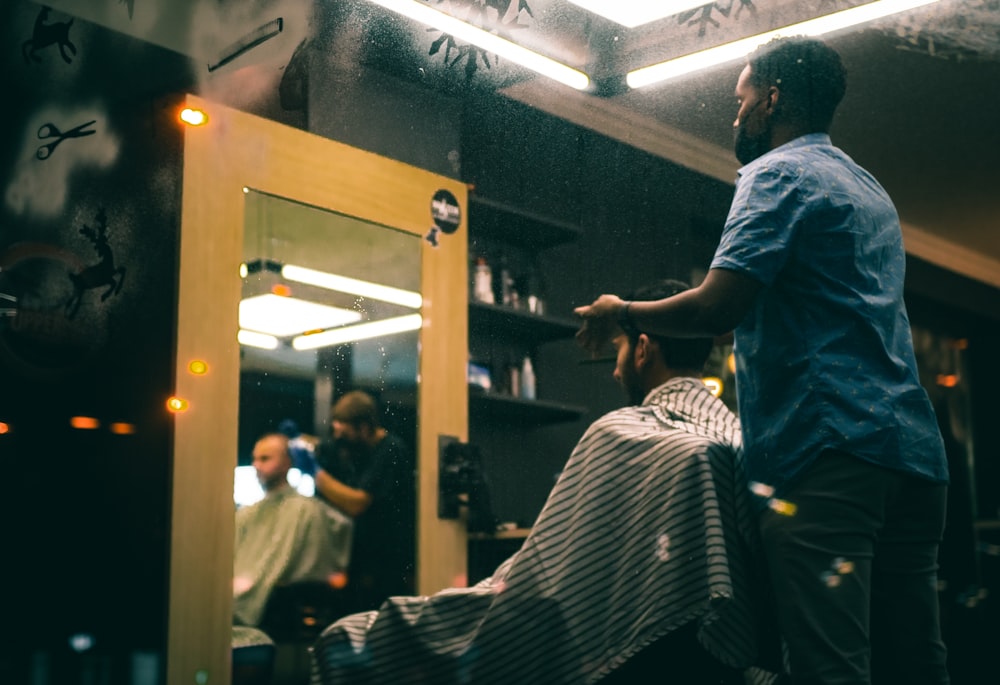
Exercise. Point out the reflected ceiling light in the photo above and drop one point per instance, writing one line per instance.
(361, 331)
(739, 49)
(254, 339)
(545, 66)
(269, 268)
(352, 286)
(632, 13)
(284, 316)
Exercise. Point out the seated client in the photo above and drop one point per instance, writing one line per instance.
(284, 538)
(644, 547)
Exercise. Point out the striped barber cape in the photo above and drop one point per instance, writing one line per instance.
(648, 528)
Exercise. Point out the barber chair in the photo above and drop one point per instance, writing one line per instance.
(252, 656)
(295, 616)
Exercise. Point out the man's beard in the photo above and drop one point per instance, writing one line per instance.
(747, 147)
(631, 383)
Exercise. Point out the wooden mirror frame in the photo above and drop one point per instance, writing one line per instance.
(230, 152)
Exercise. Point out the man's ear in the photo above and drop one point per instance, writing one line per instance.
(773, 99)
(643, 350)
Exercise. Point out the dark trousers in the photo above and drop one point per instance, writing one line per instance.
(854, 569)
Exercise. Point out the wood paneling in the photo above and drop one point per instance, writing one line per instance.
(232, 151)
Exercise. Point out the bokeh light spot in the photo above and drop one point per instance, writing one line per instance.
(81, 642)
(198, 367)
(782, 507)
(88, 423)
(338, 581)
(177, 404)
(193, 117)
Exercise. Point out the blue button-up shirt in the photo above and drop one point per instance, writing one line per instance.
(825, 356)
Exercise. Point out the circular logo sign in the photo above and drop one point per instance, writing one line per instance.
(446, 212)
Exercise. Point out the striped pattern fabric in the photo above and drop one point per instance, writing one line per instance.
(648, 528)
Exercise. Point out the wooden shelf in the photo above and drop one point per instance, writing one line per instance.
(505, 409)
(514, 226)
(515, 534)
(504, 323)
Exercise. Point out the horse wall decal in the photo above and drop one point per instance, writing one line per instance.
(103, 273)
(44, 35)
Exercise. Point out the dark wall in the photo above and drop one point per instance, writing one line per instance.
(651, 221)
(88, 268)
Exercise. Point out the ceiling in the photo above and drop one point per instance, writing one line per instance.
(921, 111)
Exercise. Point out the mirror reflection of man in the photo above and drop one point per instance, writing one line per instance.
(284, 538)
(368, 473)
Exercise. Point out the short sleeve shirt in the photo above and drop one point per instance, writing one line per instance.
(825, 357)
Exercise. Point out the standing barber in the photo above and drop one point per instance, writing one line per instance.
(837, 430)
(369, 474)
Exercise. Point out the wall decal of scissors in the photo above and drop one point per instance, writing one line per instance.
(49, 130)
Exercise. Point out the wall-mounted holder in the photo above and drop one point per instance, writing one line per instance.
(461, 484)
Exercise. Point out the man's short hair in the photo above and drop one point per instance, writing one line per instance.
(678, 353)
(808, 73)
(357, 408)
(281, 438)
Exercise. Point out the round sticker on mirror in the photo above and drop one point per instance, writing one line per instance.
(446, 212)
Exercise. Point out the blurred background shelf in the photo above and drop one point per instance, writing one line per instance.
(506, 409)
(515, 226)
(499, 322)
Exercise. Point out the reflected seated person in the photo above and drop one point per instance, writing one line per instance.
(285, 538)
(644, 553)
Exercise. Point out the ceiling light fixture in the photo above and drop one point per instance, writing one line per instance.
(663, 71)
(504, 48)
(352, 286)
(361, 331)
(632, 13)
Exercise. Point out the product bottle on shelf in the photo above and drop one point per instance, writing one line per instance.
(482, 282)
(527, 379)
(508, 295)
(514, 379)
(534, 290)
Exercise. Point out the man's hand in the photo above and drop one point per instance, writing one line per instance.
(600, 323)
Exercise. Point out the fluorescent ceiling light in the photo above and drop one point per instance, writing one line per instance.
(739, 49)
(362, 331)
(545, 66)
(254, 339)
(352, 286)
(632, 13)
(284, 316)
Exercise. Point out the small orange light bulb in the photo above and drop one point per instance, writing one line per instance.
(84, 422)
(193, 117)
(122, 428)
(198, 367)
(177, 404)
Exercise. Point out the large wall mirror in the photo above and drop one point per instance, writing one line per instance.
(329, 304)
(302, 226)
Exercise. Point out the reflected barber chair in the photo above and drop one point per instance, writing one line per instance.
(294, 617)
(252, 656)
